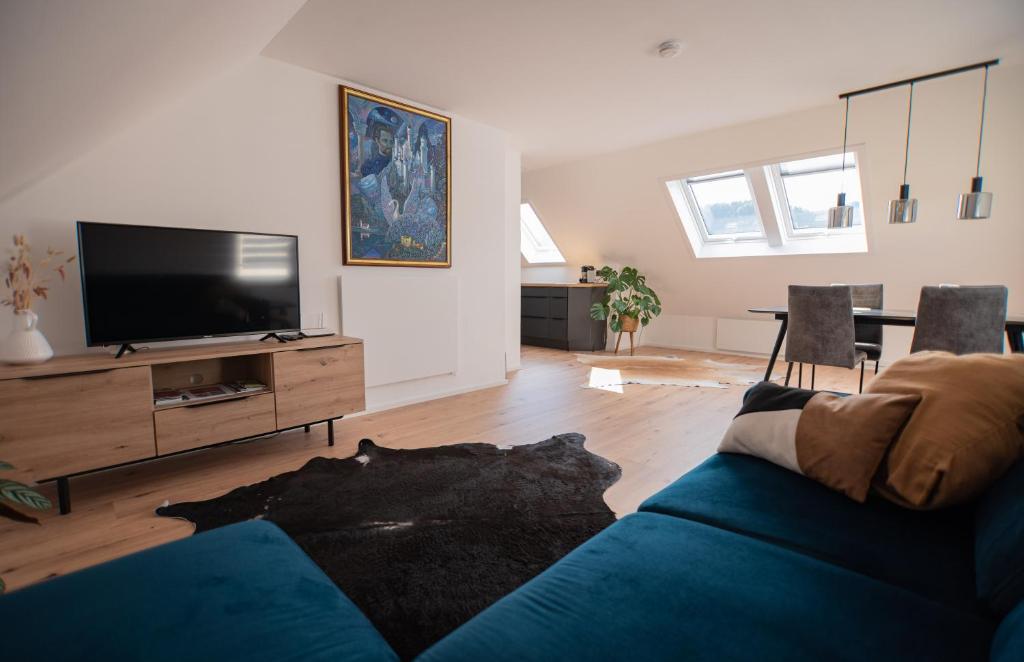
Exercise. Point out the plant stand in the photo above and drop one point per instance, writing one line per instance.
(619, 340)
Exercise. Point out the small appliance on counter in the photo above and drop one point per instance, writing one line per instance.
(588, 274)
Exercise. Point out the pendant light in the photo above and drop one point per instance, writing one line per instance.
(841, 216)
(904, 209)
(976, 204)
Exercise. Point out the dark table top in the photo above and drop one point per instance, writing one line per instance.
(883, 316)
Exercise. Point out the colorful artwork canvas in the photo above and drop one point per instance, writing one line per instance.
(396, 183)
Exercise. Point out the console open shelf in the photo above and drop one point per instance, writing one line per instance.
(212, 372)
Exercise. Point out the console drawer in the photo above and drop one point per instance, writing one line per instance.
(58, 425)
(317, 384)
(184, 428)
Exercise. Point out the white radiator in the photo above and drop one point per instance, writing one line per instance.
(409, 322)
(747, 336)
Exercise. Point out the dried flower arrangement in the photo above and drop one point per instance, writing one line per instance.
(21, 278)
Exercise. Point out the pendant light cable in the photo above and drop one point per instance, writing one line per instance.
(846, 125)
(981, 129)
(906, 152)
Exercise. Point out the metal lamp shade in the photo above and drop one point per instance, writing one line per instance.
(904, 209)
(974, 205)
(840, 216)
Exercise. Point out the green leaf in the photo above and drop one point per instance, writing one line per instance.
(620, 306)
(15, 492)
(616, 324)
(598, 312)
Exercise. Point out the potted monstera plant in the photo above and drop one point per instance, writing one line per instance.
(628, 302)
(19, 494)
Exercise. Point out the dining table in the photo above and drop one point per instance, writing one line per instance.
(885, 317)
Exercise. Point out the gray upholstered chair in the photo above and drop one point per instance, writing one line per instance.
(962, 320)
(821, 330)
(868, 336)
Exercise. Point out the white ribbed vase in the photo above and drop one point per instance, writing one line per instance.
(25, 344)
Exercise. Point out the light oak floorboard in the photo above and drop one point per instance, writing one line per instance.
(655, 433)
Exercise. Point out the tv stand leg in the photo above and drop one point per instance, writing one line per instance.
(64, 495)
(306, 427)
(330, 432)
(126, 347)
(274, 336)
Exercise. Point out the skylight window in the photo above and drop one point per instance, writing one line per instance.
(771, 208)
(535, 243)
(724, 206)
(807, 188)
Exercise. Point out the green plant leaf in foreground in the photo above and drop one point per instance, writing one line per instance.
(24, 495)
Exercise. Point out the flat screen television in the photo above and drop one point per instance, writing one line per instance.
(144, 283)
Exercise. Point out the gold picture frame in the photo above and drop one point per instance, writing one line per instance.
(396, 183)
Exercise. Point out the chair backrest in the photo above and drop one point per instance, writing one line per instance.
(821, 326)
(962, 320)
(868, 296)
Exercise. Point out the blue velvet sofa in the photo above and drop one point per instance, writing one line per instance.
(737, 560)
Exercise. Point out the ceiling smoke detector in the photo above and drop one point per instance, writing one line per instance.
(669, 48)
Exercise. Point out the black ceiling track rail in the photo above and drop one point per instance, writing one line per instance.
(918, 79)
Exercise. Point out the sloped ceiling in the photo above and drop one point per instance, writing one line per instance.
(567, 79)
(73, 72)
(575, 78)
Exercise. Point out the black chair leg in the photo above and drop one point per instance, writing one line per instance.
(862, 376)
(789, 371)
(800, 377)
(876, 367)
(812, 376)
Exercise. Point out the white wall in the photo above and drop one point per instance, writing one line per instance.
(258, 151)
(613, 209)
(513, 197)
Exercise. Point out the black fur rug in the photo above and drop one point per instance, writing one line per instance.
(422, 540)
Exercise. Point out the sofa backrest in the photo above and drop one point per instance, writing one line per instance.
(999, 543)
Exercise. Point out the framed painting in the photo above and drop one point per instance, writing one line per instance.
(395, 183)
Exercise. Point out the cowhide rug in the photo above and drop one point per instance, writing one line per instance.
(616, 371)
(422, 540)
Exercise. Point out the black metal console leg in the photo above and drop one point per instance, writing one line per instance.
(330, 432)
(306, 428)
(64, 496)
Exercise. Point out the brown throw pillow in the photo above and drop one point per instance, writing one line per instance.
(963, 435)
(837, 441)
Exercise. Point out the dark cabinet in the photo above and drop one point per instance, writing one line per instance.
(558, 316)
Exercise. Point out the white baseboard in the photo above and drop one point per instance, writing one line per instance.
(404, 402)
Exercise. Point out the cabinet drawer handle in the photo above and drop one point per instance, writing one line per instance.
(68, 374)
(217, 402)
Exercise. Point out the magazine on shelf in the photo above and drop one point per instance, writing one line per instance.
(211, 391)
(247, 386)
(165, 395)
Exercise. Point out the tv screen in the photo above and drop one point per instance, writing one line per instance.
(144, 283)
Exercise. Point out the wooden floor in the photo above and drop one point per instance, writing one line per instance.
(655, 433)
